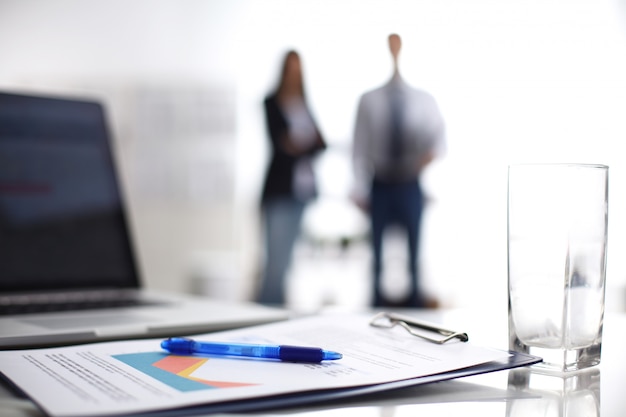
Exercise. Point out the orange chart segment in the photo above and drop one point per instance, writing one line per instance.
(175, 371)
(180, 365)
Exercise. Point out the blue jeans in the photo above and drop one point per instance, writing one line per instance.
(396, 203)
(282, 220)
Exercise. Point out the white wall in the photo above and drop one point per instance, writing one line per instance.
(517, 80)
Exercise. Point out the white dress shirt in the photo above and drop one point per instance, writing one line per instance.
(303, 134)
(423, 133)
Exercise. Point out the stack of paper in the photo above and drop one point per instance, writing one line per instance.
(138, 376)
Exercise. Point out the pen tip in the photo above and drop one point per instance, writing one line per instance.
(329, 355)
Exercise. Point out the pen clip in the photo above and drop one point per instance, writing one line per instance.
(389, 320)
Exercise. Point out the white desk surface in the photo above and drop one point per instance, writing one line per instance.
(599, 391)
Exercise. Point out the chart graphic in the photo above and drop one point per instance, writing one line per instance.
(174, 370)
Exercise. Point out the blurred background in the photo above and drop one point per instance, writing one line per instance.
(184, 80)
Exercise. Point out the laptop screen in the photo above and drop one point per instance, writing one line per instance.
(62, 222)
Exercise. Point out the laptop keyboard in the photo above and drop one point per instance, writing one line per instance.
(46, 303)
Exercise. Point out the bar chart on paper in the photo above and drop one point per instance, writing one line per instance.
(175, 371)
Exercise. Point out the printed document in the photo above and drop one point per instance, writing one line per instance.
(136, 376)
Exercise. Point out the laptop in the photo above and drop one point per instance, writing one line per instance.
(68, 272)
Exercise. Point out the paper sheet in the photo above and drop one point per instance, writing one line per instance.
(137, 376)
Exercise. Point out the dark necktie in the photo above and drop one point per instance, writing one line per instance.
(396, 131)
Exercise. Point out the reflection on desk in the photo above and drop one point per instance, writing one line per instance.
(516, 393)
(549, 395)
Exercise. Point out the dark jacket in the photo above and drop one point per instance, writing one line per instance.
(280, 172)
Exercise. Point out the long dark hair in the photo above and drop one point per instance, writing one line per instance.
(290, 55)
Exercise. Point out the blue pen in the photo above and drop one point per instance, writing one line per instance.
(185, 346)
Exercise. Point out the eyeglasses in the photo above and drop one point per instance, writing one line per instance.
(389, 320)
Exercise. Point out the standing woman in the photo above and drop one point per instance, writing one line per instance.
(290, 181)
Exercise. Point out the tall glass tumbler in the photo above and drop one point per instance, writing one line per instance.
(557, 239)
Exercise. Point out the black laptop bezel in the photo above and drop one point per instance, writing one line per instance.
(24, 106)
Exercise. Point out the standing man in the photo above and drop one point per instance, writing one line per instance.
(399, 131)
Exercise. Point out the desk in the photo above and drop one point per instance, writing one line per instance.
(599, 391)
